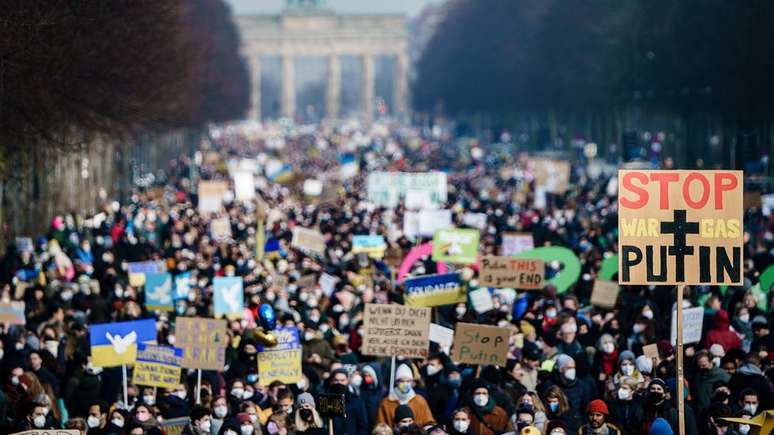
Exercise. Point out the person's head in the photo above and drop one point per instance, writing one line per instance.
(97, 415)
(381, 429)
(728, 364)
(556, 427)
(37, 415)
(556, 400)
(200, 419)
(748, 400)
(285, 400)
(36, 362)
(118, 418)
(626, 389)
(524, 416)
(340, 377)
(306, 405)
(219, 407)
(657, 390)
(597, 412)
(143, 412)
(567, 332)
(606, 344)
(565, 364)
(703, 361)
(461, 419)
(626, 363)
(404, 379)
(404, 416)
(78, 424)
(434, 365)
(531, 399)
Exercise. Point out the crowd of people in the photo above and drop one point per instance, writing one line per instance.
(573, 368)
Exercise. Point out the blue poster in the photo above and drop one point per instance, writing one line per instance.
(434, 290)
(158, 291)
(229, 296)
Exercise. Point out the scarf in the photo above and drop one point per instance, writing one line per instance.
(402, 398)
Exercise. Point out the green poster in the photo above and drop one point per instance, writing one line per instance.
(459, 246)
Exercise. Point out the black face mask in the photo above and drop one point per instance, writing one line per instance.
(655, 397)
(305, 414)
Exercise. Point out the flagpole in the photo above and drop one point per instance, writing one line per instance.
(126, 388)
(198, 386)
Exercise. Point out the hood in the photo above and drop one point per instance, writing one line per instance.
(370, 370)
(749, 369)
(720, 321)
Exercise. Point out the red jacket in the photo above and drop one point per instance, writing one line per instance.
(721, 334)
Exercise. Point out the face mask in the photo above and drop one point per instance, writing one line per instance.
(247, 395)
(550, 314)
(648, 314)
(454, 382)
(51, 345)
(181, 394)
(92, 422)
(271, 428)
(117, 422)
(404, 388)
(220, 411)
(231, 432)
(357, 380)
(637, 328)
(39, 421)
(623, 394)
(308, 335)
(461, 425)
(246, 430)
(432, 369)
(460, 311)
(205, 426)
(751, 408)
(655, 397)
(15, 380)
(253, 418)
(627, 370)
(305, 414)
(480, 400)
(144, 416)
(745, 318)
(716, 361)
(149, 400)
(570, 374)
(554, 406)
(19, 346)
(608, 347)
(237, 392)
(744, 429)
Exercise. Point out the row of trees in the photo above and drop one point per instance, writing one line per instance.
(115, 67)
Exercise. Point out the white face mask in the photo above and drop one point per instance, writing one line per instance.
(627, 370)
(570, 374)
(220, 411)
(15, 380)
(751, 408)
(357, 380)
(432, 369)
(637, 328)
(461, 425)
(149, 400)
(744, 429)
(117, 422)
(480, 400)
(205, 426)
(648, 314)
(92, 422)
(623, 393)
(608, 347)
(237, 392)
(745, 318)
(39, 421)
(181, 394)
(246, 429)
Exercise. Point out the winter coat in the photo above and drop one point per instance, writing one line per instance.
(702, 386)
(418, 405)
(721, 334)
(627, 414)
(750, 376)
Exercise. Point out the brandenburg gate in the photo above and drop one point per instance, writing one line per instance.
(305, 29)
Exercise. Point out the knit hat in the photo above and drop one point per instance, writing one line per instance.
(665, 348)
(563, 361)
(626, 355)
(403, 411)
(598, 406)
(658, 381)
(644, 364)
(305, 398)
(404, 372)
(531, 352)
(717, 350)
(660, 427)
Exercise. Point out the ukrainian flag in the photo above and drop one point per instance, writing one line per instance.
(283, 175)
(115, 344)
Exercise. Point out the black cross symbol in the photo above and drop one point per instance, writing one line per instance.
(680, 228)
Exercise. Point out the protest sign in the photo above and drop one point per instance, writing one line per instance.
(174, 426)
(474, 220)
(431, 221)
(508, 272)
(308, 240)
(373, 245)
(115, 344)
(442, 335)
(157, 366)
(203, 341)
(137, 271)
(330, 405)
(182, 285)
(158, 291)
(211, 194)
(417, 199)
(692, 323)
(307, 281)
(220, 229)
(456, 245)
(327, 283)
(680, 227)
(385, 189)
(480, 344)
(313, 187)
(12, 313)
(49, 432)
(229, 296)
(481, 300)
(244, 186)
(396, 330)
(604, 294)
(767, 204)
(434, 290)
(650, 351)
(514, 243)
(552, 175)
(283, 361)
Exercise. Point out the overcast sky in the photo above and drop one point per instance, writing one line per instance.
(409, 7)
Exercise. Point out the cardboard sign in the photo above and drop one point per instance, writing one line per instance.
(442, 335)
(386, 189)
(426, 222)
(115, 344)
(49, 432)
(211, 194)
(157, 366)
(481, 300)
(327, 283)
(283, 361)
(12, 313)
(515, 243)
(434, 290)
(507, 272)
(396, 330)
(456, 246)
(331, 405)
(651, 351)
(692, 323)
(220, 229)
(680, 227)
(203, 341)
(308, 240)
(481, 344)
(373, 245)
(158, 291)
(604, 294)
(244, 186)
(552, 175)
(229, 296)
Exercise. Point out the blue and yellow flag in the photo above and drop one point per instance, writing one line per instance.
(115, 344)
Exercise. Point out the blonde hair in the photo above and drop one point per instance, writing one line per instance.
(381, 428)
(556, 393)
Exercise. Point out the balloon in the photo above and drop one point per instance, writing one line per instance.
(609, 268)
(266, 317)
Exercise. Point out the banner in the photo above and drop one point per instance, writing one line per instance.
(49, 432)
(373, 245)
(244, 186)
(229, 296)
(203, 342)
(386, 189)
(552, 175)
(680, 227)
(174, 426)
(12, 313)
(137, 271)
(211, 194)
(182, 285)
(426, 222)
(515, 243)
(508, 272)
(395, 330)
(157, 366)
(692, 325)
(115, 344)
(442, 335)
(330, 405)
(433, 290)
(456, 246)
(480, 344)
(158, 291)
(475, 220)
(283, 361)
(308, 240)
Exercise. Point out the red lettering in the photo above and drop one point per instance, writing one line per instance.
(663, 179)
(720, 187)
(639, 191)
(687, 190)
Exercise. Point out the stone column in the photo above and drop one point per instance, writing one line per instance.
(333, 88)
(367, 93)
(288, 100)
(255, 87)
(400, 81)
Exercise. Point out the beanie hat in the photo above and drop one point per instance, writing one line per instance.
(717, 350)
(644, 364)
(563, 361)
(403, 411)
(660, 427)
(305, 398)
(598, 406)
(626, 355)
(665, 349)
(479, 383)
(658, 381)
(404, 372)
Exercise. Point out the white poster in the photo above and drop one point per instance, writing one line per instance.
(692, 322)
(244, 185)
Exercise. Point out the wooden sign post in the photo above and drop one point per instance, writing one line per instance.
(680, 228)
